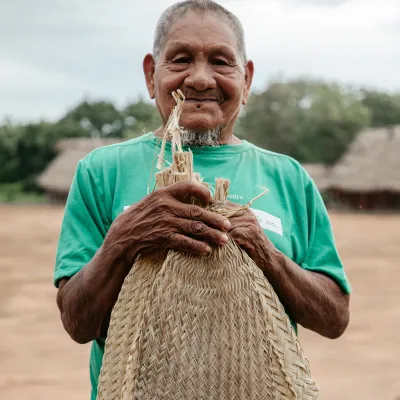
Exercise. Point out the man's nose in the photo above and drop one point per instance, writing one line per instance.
(201, 77)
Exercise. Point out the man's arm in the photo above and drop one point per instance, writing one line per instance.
(161, 221)
(85, 300)
(313, 300)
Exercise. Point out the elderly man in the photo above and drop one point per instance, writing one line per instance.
(198, 48)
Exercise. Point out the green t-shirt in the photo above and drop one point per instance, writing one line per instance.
(114, 177)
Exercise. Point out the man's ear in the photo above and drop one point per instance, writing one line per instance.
(149, 67)
(248, 80)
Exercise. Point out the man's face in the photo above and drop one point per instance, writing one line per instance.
(200, 57)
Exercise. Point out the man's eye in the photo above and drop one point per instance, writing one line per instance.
(219, 62)
(182, 60)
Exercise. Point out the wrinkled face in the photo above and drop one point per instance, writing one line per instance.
(200, 57)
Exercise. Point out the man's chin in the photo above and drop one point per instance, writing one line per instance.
(200, 122)
(201, 137)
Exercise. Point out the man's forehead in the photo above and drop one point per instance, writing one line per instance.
(191, 46)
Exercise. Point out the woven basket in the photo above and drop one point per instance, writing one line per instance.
(202, 328)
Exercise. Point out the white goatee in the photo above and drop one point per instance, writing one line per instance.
(194, 138)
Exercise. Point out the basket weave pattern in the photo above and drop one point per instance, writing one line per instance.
(202, 328)
(124, 324)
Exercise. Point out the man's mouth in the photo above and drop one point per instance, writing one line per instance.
(195, 100)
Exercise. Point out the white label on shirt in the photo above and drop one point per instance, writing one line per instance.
(268, 221)
(126, 207)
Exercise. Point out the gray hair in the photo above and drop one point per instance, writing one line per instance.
(177, 10)
(210, 137)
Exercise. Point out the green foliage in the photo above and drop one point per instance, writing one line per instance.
(384, 108)
(140, 117)
(99, 118)
(25, 151)
(309, 120)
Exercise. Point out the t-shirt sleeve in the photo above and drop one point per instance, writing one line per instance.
(84, 226)
(322, 255)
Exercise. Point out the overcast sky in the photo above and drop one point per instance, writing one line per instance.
(55, 52)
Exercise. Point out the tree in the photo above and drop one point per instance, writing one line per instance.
(140, 117)
(101, 118)
(96, 119)
(309, 120)
(25, 150)
(384, 108)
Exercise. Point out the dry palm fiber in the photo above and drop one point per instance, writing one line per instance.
(210, 327)
(125, 320)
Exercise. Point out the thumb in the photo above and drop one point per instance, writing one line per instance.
(188, 190)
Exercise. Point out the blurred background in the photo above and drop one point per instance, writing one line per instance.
(326, 92)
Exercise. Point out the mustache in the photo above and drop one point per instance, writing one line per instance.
(211, 95)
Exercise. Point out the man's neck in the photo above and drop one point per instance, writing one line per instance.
(232, 140)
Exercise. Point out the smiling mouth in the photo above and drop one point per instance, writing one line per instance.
(201, 100)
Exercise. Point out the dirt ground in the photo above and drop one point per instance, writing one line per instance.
(39, 361)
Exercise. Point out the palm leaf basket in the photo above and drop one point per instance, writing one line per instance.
(201, 327)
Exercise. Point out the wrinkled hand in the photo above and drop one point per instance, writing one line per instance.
(165, 220)
(248, 234)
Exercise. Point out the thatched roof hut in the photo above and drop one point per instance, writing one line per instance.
(369, 172)
(372, 163)
(57, 178)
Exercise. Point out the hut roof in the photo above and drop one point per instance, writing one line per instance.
(319, 173)
(59, 174)
(371, 164)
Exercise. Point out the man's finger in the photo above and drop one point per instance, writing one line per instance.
(242, 219)
(196, 213)
(186, 191)
(238, 214)
(201, 230)
(185, 244)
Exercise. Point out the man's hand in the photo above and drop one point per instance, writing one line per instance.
(313, 300)
(248, 234)
(165, 220)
